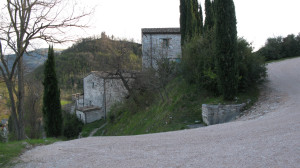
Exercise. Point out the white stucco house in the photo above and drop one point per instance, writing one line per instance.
(101, 91)
(160, 43)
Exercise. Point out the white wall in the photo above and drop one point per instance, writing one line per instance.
(93, 90)
(94, 115)
(153, 48)
(80, 115)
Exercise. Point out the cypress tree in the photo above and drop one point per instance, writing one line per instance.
(52, 114)
(182, 20)
(209, 16)
(191, 20)
(198, 17)
(201, 20)
(226, 46)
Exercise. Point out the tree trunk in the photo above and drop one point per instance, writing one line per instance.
(20, 104)
(15, 122)
(130, 91)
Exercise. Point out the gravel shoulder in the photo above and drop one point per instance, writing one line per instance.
(267, 135)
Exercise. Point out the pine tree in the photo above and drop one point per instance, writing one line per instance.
(226, 46)
(209, 16)
(52, 114)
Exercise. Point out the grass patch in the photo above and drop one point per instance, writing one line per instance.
(64, 102)
(10, 150)
(88, 128)
(183, 108)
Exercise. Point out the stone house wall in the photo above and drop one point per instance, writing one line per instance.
(93, 87)
(80, 115)
(88, 115)
(101, 89)
(160, 43)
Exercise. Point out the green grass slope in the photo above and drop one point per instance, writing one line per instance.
(11, 150)
(183, 108)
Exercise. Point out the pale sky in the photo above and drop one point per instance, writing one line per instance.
(257, 19)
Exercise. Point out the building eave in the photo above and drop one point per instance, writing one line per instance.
(161, 31)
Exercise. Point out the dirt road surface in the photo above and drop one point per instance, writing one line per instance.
(269, 139)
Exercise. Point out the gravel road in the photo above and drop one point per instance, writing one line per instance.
(266, 136)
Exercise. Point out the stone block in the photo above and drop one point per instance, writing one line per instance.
(216, 114)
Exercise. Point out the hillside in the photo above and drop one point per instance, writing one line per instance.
(271, 140)
(32, 59)
(92, 54)
(182, 110)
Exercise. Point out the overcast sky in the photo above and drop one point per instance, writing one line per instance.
(257, 19)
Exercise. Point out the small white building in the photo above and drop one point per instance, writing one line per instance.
(101, 91)
(160, 43)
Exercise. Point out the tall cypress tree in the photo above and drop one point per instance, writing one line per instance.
(182, 20)
(52, 114)
(209, 16)
(189, 22)
(201, 20)
(226, 46)
(198, 17)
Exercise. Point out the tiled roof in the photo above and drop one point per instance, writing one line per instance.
(161, 31)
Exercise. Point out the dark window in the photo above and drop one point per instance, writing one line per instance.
(166, 43)
(177, 60)
(93, 85)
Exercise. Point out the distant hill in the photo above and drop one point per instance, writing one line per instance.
(32, 59)
(91, 54)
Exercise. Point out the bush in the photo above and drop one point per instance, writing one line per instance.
(279, 47)
(199, 62)
(72, 126)
(251, 66)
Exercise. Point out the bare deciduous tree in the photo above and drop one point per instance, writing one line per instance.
(121, 64)
(22, 22)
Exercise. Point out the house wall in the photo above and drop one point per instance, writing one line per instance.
(92, 116)
(115, 92)
(93, 90)
(80, 115)
(153, 48)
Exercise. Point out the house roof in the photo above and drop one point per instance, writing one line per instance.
(161, 31)
(89, 108)
(111, 75)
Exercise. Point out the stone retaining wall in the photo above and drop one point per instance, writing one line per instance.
(216, 114)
